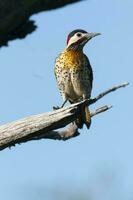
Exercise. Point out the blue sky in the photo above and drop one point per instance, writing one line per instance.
(99, 162)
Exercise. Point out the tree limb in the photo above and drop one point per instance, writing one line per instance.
(43, 126)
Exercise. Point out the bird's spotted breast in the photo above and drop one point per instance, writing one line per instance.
(73, 75)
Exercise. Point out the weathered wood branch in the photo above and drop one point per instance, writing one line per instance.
(44, 126)
(15, 16)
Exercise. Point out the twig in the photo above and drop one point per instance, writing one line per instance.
(100, 110)
(91, 101)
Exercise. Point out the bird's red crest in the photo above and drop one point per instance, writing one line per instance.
(68, 38)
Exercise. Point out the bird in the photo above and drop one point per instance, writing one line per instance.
(74, 73)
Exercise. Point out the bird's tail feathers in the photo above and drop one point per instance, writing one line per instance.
(84, 118)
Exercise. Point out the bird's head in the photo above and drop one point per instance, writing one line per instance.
(78, 38)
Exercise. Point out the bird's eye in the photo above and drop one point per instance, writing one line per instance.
(79, 34)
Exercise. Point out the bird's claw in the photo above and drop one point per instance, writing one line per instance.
(56, 107)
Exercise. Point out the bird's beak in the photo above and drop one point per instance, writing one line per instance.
(89, 36)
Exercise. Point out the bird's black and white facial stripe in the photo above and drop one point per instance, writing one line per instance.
(75, 35)
(77, 32)
(78, 38)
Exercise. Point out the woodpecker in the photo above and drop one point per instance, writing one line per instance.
(74, 74)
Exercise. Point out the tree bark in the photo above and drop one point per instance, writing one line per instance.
(15, 14)
(44, 126)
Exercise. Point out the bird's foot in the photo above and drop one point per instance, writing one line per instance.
(56, 107)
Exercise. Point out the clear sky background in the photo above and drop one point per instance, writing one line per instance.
(99, 163)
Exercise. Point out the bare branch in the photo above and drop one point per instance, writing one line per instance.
(91, 101)
(43, 126)
(70, 132)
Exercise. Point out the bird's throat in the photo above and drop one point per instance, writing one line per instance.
(73, 58)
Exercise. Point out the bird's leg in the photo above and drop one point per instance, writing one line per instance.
(57, 107)
(63, 103)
